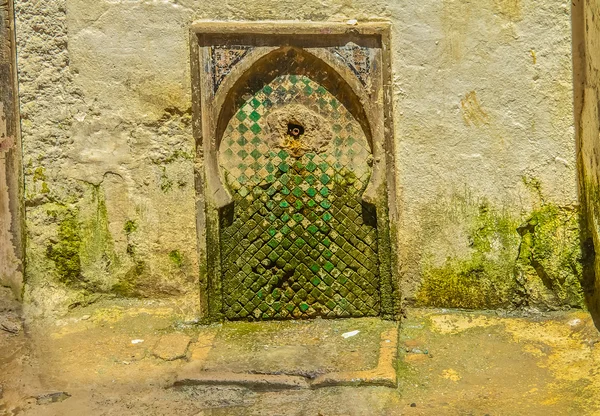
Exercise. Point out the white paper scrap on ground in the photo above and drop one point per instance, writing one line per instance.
(350, 334)
(136, 341)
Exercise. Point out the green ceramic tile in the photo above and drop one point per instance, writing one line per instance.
(254, 116)
(287, 208)
(255, 128)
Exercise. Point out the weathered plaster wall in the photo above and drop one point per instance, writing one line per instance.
(484, 127)
(11, 248)
(586, 58)
(109, 180)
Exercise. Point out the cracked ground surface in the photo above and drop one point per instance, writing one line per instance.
(123, 358)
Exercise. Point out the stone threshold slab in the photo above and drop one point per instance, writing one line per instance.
(384, 374)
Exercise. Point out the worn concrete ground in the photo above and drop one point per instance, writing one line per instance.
(449, 363)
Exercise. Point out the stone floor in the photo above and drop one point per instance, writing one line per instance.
(135, 358)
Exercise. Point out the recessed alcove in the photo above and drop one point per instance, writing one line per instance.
(292, 124)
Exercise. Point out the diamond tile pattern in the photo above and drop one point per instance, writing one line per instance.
(300, 244)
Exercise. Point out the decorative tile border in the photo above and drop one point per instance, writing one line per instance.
(358, 59)
(224, 58)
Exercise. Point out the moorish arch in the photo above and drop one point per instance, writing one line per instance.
(294, 156)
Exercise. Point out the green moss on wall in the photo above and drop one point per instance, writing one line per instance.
(459, 284)
(97, 249)
(127, 286)
(176, 155)
(512, 263)
(83, 249)
(65, 251)
(485, 279)
(176, 258)
(550, 246)
(38, 174)
(130, 227)
(165, 182)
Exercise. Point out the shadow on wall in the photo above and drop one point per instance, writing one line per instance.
(588, 278)
(586, 78)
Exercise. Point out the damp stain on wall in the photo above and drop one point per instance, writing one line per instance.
(472, 112)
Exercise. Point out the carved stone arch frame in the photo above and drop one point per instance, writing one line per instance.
(227, 59)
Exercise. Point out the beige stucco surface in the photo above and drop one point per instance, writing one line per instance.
(482, 110)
